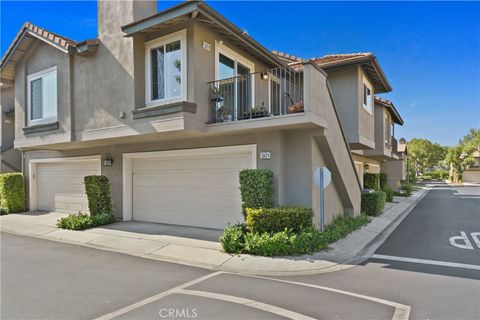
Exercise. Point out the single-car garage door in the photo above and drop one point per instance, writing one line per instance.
(190, 187)
(60, 185)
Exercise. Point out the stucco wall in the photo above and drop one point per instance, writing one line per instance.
(7, 102)
(344, 84)
(41, 57)
(395, 171)
(366, 120)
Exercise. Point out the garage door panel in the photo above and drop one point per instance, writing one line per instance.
(189, 190)
(60, 185)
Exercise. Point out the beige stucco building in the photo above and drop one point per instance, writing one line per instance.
(171, 105)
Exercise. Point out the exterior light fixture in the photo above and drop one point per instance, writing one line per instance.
(366, 166)
(107, 160)
(264, 75)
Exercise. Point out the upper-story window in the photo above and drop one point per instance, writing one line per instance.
(367, 98)
(237, 86)
(42, 96)
(388, 125)
(166, 69)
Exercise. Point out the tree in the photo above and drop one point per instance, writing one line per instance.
(423, 154)
(460, 157)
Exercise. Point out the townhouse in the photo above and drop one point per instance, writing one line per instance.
(368, 120)
(170, 106)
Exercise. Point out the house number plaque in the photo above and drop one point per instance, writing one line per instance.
(265, 155)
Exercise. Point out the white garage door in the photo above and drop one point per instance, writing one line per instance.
(189, 189)
(60, 185)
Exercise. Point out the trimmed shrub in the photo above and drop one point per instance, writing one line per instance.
(373, 203)
(12, 192)
(388, 194)
(371, 181)
(256, 188)
(294, 218)
(383, 181)
(286, 242)
(83, 221)
(233, 238)
(98, 194)
(407, 188)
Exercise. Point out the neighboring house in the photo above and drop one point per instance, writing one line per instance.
(170, 106)
(472, 174)
(11, 159)
(368, 120)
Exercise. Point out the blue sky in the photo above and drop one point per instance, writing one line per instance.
(430, 51)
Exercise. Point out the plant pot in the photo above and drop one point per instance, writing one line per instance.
(217, 98)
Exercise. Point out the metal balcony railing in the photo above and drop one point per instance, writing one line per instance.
(275, 92)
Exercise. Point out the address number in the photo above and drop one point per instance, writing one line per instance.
(265, 155)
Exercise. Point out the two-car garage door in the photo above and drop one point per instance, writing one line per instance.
(189, 187)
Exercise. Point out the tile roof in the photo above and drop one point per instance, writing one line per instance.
(25, 37)
(341, 57)
(391, 109)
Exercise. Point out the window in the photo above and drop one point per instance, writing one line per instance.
(166, 69)
(238, 88)
(388, 133)
(275, 95)
(42, 96)
(367, 98)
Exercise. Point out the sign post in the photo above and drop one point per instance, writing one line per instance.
(322, 178)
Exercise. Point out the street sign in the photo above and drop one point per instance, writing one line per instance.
(322, 178)
(327, 176)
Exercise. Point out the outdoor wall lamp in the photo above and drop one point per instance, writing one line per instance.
(264, 75)
(107, 160)
(366, 166)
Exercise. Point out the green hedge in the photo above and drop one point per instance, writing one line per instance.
(256, 188)
(238, 239)
(388, 194)
(407, 188)
(371, 181)
(12, 192)
(98, 194)
(294, 218)
(373, 203)
(383, 181)
(83, 221)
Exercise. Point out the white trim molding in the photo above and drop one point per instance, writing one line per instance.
(35, 76)
(176, 36)
(127, 170)
(32, 173)
(368, 84)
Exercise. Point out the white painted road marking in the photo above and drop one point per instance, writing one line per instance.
(402, 312)
(247, 302)
(156, 297)
(431, 262)
(463, 237)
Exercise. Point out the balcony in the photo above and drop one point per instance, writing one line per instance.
(273, 93)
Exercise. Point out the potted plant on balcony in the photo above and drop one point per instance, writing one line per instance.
(226, 113)
(296, 107)
(256, 112)
(216, 95)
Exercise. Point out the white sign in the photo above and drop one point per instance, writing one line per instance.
(327, 176)
(463, 242)
(265, 155)
(207, 46)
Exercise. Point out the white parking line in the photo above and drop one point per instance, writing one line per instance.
(431, 262)
(402, 312)
(247, 302)
(156, 297)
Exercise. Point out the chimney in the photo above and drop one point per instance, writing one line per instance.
(402, 141)
(112, 15)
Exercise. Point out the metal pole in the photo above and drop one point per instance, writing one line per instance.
(322, 202)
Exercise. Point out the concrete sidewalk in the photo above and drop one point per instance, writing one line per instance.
(144, 240)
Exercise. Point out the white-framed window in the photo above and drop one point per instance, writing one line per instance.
(367, 96)
(274, 94)
(42, 96)
(240, 89)
(166, 69)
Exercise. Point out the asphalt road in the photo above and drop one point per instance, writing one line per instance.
(47, 280)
